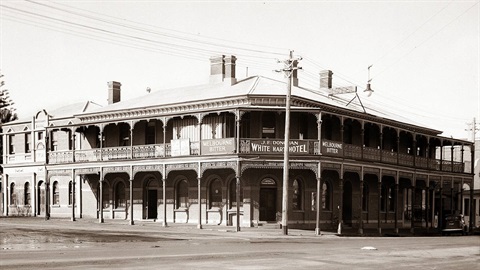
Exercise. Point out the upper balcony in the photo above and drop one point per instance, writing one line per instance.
(217, 134)
(263, 147)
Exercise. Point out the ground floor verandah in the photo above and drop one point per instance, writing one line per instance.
(322, 195)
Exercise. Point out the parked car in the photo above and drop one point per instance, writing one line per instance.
(454, 224)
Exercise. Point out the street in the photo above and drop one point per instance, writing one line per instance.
(27, 243)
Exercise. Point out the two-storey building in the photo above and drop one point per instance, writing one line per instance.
(213, 154)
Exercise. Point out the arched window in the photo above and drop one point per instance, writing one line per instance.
(326, 196)
(297, 195)
(182, 194)
(215, 193)
(120, 195)
(233, 194)
(13, 195)
(26, 194)
(56, 193)
(70, 193)
(365, 198)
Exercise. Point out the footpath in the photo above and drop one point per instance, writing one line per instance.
(189, 230)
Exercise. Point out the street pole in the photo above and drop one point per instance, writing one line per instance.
(290, 67)
(471, 214)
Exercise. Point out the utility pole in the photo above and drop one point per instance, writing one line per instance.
(288, 70)
(474, 130)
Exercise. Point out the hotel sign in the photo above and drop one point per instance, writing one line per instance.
(218, 146)
(277, 146)
(332, 148)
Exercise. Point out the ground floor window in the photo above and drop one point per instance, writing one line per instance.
(215, 194)
(383, 198)
(326, 196)
(365, 197)
(297, 195)
(233, 194)
(120, 195)
(181, 194)
(13, 195)
(70, 193)
(467, 207)
(26, 192)
(56, 193)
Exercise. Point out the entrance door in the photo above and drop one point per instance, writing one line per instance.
(347, 203)
(268, 204)
(152, 204)
(41, 198)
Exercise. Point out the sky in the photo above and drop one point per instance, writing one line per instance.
(424, 55)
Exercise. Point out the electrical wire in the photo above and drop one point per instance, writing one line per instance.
(425, 41)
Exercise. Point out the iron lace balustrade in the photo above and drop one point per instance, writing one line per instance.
(59, 157)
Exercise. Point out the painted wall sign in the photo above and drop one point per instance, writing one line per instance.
(218, 146)
(277, 146)
(332, 148)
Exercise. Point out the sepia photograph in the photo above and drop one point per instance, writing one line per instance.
(281, 134)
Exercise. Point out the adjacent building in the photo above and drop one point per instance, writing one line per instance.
(213, 155)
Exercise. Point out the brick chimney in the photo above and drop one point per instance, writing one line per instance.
(113, 92)
(222, 69)
(326, 79)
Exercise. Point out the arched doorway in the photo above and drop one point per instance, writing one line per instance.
(41, 198)
(268, 200)
(347, 203)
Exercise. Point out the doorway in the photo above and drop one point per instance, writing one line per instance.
(41, 198)
(152, 206)
(268, 200)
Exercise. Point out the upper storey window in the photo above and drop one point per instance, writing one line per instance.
(28, 142)
(11, 145)
(268, 125)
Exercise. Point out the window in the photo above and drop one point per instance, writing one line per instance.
(326, 196)
(215, 194)
(466, 208)
(56, 193)
(26, 194)
(233, 194)
(124, 134)
(120, 195)
(13, 195)
(105, 195)
(383, 198)
(268, 125)
(70, 193)
(297, 195)
(150, 133)
(245, 126)
(391, 199)
(54, 141)
(40, 136)
(229, 127)
(182, 194)
(365, 198)
(11, 145)
(28, 142)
